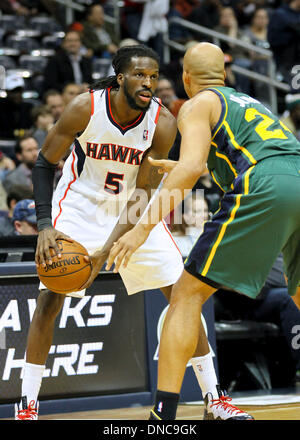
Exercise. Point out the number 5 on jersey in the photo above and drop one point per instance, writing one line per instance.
(113, 183)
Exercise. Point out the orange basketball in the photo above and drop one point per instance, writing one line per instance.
(68, 273)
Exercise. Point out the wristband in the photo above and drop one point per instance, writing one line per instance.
(44, 223)
(42, 178)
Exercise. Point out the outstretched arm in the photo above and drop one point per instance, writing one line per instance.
(194, 122)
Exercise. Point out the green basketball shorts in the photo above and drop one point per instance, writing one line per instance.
(256, 221)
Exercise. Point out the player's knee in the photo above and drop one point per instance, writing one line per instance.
(195, 295)
(49, 304)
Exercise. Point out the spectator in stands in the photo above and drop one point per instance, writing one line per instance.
(188, 221)
(185, 7)
(258, 29)
(146, 21)
(70, 91)
(244, 9)
(20, 7)
(24, 218)
(6, 165)
(99, 36)
(228, 25)
(54, 102)
(15, 112)
(177, 32)
(68, 65)
(153, 25)
(166, 92)
(257, 34)
(17, 193)
(292, 118)
(131, 18)
(3, 206)
(26, 153)
(206, 14)
(284, 37)
(43, 120)
(173, 71)
(230, 80)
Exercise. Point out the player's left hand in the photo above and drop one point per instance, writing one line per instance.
(123, 249)
(97, 260)
(163, 165)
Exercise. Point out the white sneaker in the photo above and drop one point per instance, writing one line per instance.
(24, 412)
(221, 409)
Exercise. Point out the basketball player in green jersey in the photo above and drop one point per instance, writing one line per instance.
(255, 159)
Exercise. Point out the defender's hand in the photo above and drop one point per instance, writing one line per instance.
(123, 249)
(97, 260)
(46, 240)
(164, 165)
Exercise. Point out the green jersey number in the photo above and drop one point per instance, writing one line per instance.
(262, 128)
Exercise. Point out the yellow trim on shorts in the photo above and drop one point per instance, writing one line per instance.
(224, 226)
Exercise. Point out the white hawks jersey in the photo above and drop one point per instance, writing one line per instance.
(106, 157)
(99, 176)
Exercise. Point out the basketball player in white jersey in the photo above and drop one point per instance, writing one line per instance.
(112, 130)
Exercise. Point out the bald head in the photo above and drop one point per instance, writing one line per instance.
(203, 65)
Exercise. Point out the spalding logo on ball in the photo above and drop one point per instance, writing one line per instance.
(68, 273)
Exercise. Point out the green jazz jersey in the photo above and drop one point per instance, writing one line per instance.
(246, 133)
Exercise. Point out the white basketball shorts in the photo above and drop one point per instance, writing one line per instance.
(157, 263)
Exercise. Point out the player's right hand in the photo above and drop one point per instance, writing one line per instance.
(46, 240)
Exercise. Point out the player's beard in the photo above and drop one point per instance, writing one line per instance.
(131, 101)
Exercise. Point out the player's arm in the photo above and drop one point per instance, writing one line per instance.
(149, 176)
(195, 121)
(58, 141)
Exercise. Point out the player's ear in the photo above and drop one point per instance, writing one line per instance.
(120, 79)
(185, 78)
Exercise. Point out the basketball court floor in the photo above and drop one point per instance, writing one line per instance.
(283, 404)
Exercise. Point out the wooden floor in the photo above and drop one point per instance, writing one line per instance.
(185, 412)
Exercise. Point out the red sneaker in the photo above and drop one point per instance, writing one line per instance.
(24, 412)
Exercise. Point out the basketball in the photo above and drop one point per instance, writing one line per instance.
(68, 273)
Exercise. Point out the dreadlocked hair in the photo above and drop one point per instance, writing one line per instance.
(120, 63)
